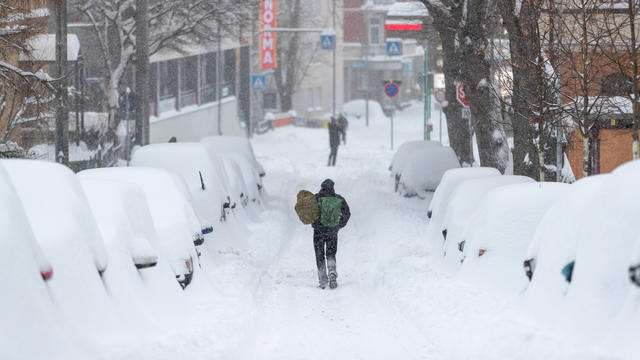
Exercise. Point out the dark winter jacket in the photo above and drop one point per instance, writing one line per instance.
(343, 123)
(334, 134)
(326, 190)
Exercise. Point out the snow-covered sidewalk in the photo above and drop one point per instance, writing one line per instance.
(390, 303)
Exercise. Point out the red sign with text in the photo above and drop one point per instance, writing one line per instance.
(462, 99)
(268, 17)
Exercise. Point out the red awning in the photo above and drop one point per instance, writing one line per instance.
(403, 27)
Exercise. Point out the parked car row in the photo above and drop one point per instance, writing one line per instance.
(418, 166)
(86, 244)
(571, 252)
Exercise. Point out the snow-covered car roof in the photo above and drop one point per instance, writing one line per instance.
(424, 169)
(450, 180)
(404, 153)
(191, 161)
(463, 203)
(53, 199)
(500, 231)
(172, 214)
(234, 144)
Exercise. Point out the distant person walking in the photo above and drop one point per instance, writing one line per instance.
(334, 140)
(344, 125)
(334, 214)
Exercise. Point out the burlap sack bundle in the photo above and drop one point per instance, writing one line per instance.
(307, 207)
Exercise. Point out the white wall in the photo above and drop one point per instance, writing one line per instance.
(195, 122)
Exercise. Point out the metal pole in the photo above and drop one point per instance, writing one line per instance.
(391, 127)
(62, 115)
(335, 45)
(218, 78)
(427, 92)
(126, 121)
(142, 90)
(366, 62)
(440, 124)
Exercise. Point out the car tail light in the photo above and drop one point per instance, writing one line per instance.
(481, 252)
(189, 265)
(46, 274)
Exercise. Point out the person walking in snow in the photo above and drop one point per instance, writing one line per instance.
(334, 140)
(334, 214)
(344, 124)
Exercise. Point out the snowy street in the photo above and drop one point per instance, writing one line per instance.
(390, 303)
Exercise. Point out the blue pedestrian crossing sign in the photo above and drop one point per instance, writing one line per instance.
(394, 48)
(327, 42)
(258, 82)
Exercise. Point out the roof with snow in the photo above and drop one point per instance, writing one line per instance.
(408, 9)
(44, 48)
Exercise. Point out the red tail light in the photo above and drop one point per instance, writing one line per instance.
(46, 274)
(481, 252)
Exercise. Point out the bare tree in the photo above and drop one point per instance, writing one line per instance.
(25, 95)
(447, 16)
(580, 43)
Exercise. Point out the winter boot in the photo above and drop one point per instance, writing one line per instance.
(322, 279)
(333, 283)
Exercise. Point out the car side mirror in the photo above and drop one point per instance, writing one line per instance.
(567, 271)
(529, 267)
(634, 274)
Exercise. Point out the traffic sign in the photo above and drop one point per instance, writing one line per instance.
(440, 95)
(462, 99)
(327, 42)
(394, 48)
(258, 82)
(391, 89)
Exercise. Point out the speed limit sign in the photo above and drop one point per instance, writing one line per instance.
(440, 95)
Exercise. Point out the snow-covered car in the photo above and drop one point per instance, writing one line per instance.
(501, 230)
(235, 145)
(235, 179)
(463, 203)
(220, 151)
(550, 258)
(28, 328)
(450, 180)
(403, 155)
(122, 215)
(65, 229)
(53, 200)
(174, 219)
(600, 287)
(190, 161)
(424, 169)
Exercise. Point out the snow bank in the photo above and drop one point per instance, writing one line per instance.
(500, 231)
(463, 203)
(425, 168)
(554, 246)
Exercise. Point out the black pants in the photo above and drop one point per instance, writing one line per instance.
(326, 246)
(332, 156)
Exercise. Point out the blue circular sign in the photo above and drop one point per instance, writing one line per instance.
(391, 89)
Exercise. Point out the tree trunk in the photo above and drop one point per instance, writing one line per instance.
(286, 73)
(541, 167)
(478, 85)
(585, 155)
(142, 73)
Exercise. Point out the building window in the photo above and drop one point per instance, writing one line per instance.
(617, 84)
(310, 100)
(188, 81)
(208, 80)
(318, 102)
(229, 73)
(374, 30)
